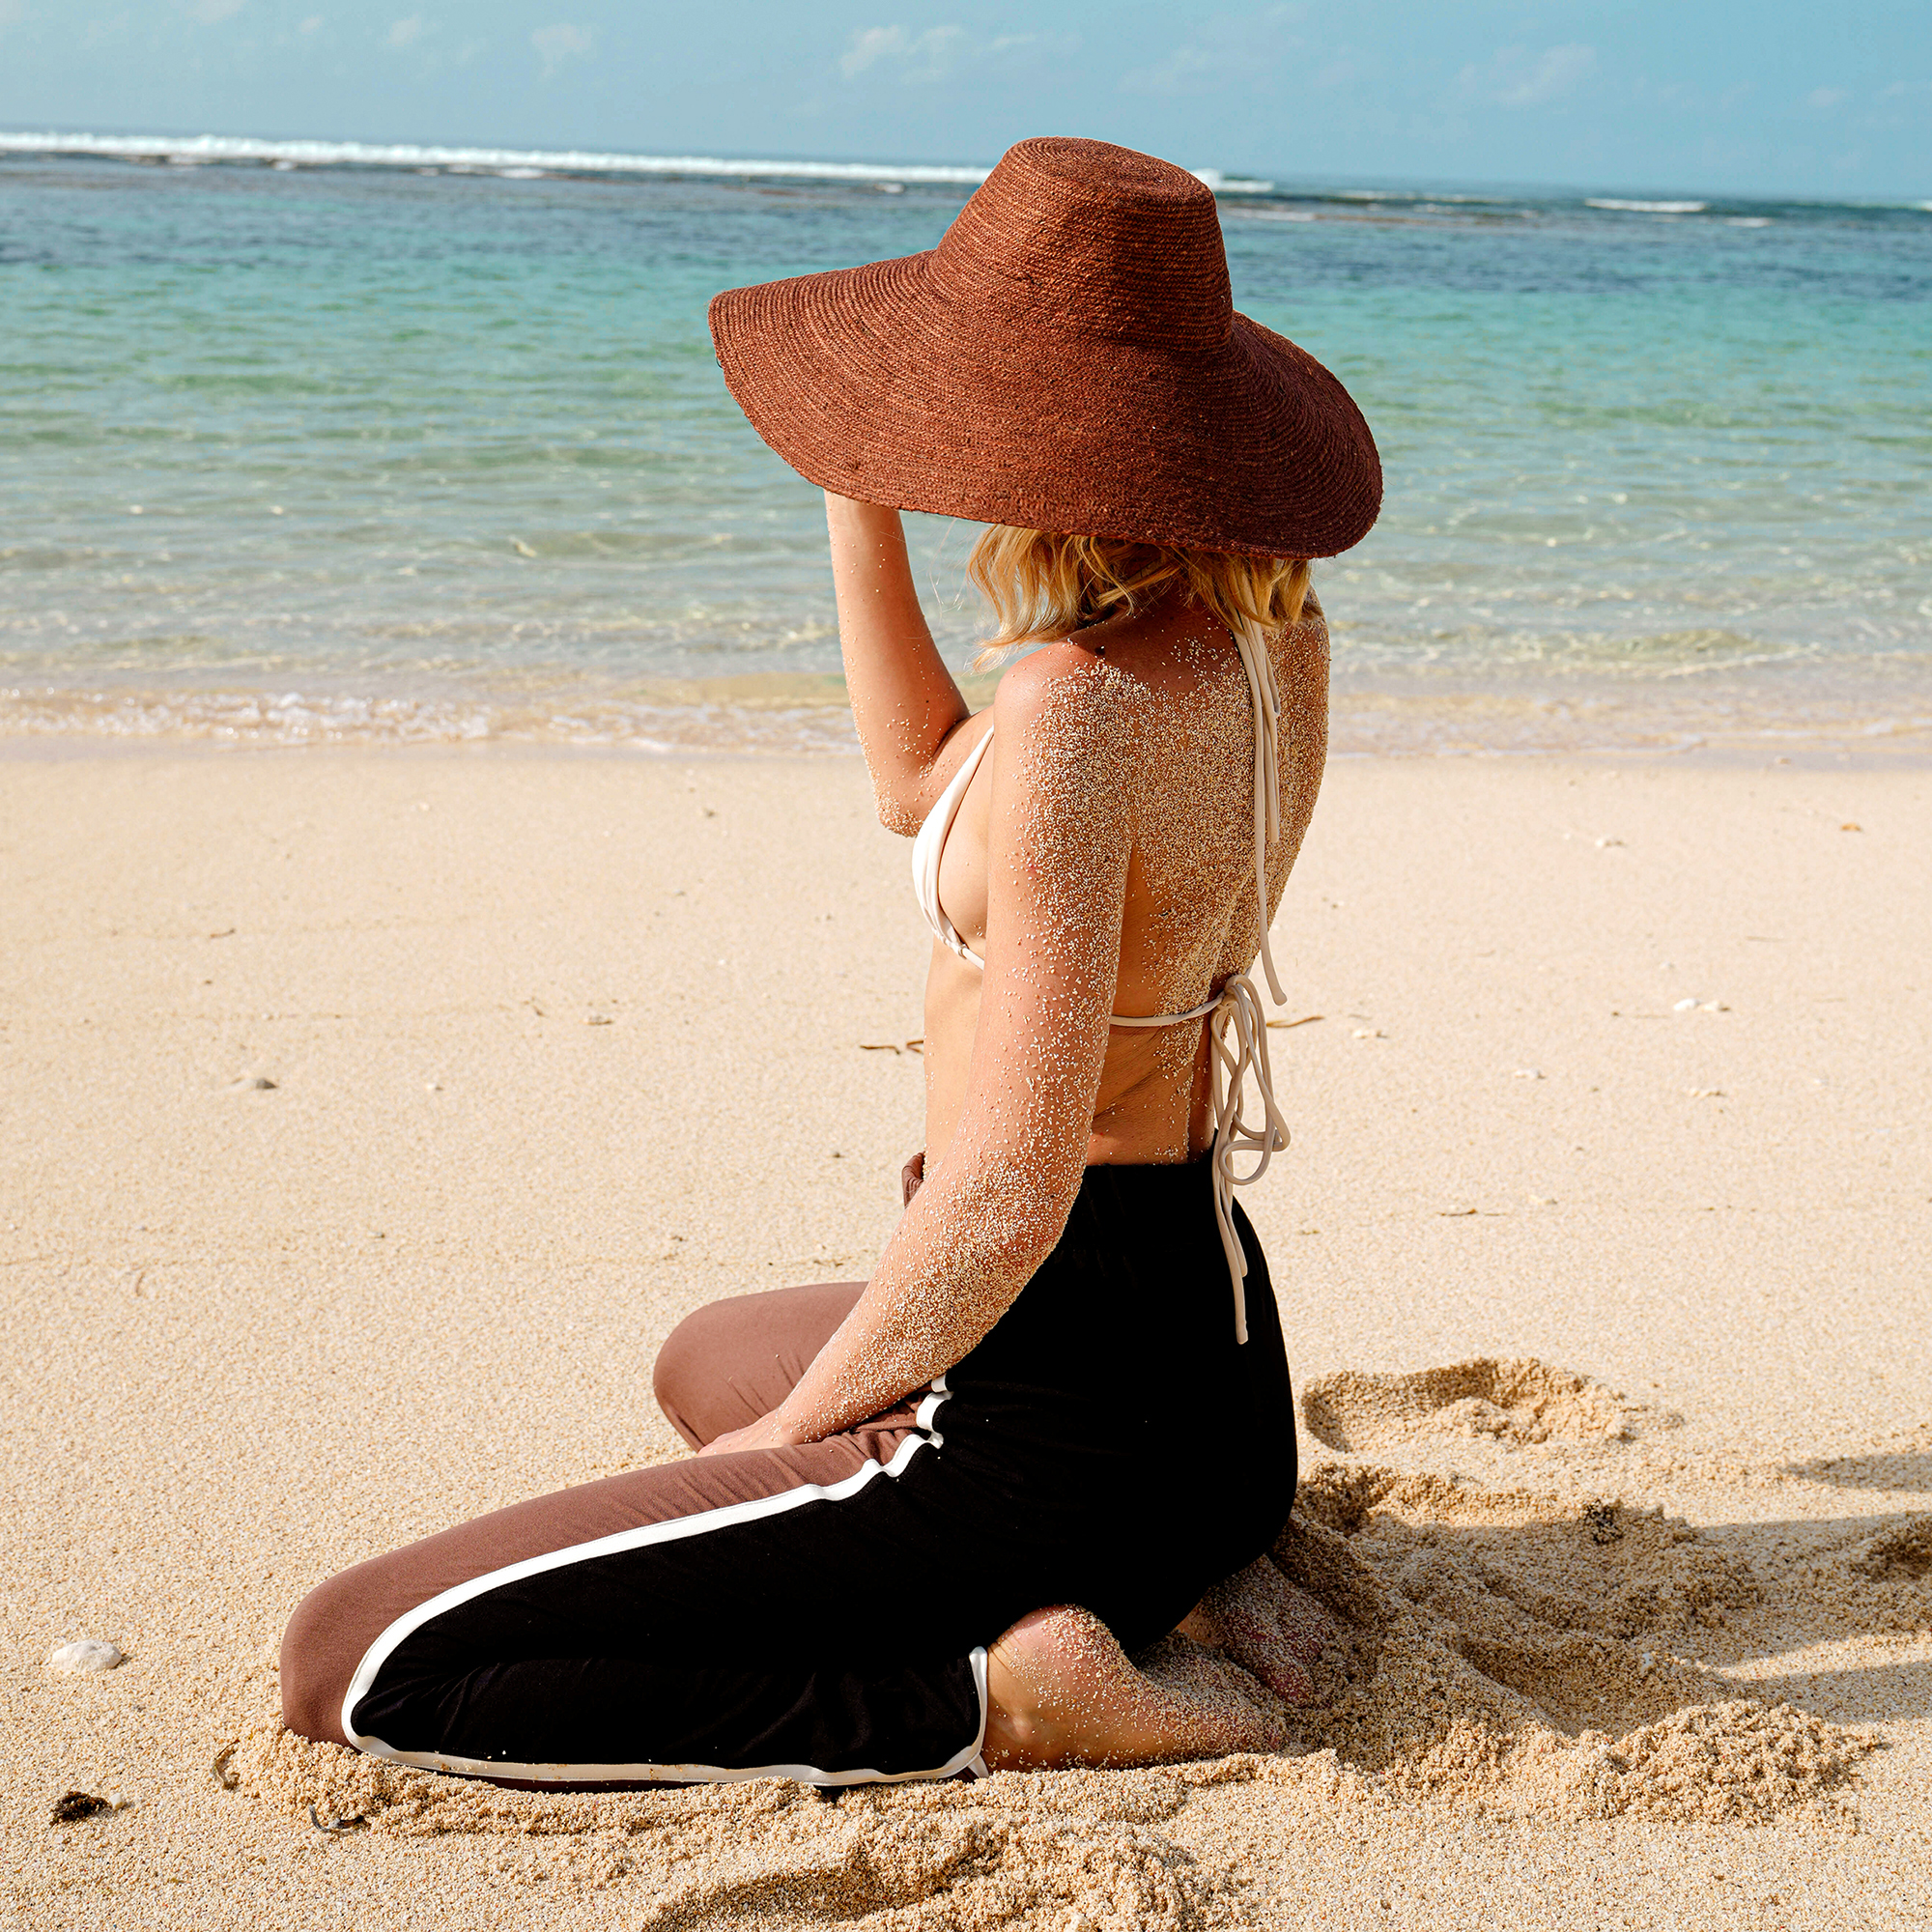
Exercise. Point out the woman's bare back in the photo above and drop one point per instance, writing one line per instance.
(1183, 758)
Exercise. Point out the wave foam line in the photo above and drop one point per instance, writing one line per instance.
(409, 155)
(1647, 206)
(558, 161)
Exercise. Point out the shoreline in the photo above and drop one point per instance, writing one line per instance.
(375, 1113)
(1886, 723)
(1914, 754)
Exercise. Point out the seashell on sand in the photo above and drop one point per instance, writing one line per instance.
(85, 1655)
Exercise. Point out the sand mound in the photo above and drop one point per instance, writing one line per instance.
(1506, 1653)
(1880, 1581)
(1904, 1550)
(1512, 1400)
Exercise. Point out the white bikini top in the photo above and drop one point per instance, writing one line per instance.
(1239, 1002)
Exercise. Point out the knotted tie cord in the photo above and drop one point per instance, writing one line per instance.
(1238, 1004)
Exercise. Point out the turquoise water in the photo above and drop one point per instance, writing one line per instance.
(333, 450)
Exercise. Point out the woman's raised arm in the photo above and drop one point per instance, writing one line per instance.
(903, 697)
(991, 1210)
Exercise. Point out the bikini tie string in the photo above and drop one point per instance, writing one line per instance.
(1241, 1001)
(1239, 1006)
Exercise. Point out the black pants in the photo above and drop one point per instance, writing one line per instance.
(822, 1612)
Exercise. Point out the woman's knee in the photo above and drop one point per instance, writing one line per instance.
(686, 1368)
(731, 1361)
(325, 1642)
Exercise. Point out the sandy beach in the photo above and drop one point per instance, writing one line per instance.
(371, 1115)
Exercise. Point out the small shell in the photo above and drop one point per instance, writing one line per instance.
(86, 1654)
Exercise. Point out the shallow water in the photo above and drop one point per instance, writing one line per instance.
(367, 451)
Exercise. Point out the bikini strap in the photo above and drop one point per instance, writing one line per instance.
(1239, 1005)
(1252, 643)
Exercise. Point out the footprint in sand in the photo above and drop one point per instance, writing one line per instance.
(1512, 1400)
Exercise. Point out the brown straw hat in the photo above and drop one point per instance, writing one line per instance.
(1068, 359)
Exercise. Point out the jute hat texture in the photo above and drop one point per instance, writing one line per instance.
(1068, 358)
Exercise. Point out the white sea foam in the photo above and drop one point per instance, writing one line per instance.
(411, 155)
(1647, 206)
(513, 163)
(1230, 184)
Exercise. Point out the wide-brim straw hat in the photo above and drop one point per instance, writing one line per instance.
(1068, 358)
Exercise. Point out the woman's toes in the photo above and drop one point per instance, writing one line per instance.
(1282, 1675)
(1226, 1709)
(1271, 1628)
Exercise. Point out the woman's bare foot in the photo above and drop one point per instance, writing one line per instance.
(1062, 1691)
(1258, 1619)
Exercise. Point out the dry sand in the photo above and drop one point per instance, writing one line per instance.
(371, 1115)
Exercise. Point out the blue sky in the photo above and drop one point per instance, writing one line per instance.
(1737, 95)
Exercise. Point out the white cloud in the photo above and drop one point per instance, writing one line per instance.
(939, 52)
(210, 12)
(407, 31)
(1824, 99)
(1516, 78)
(1022, 49)
(926, 56)
(312, 25)
(1229, 47)
(1180, 71)
(12, 12)
(561, 43)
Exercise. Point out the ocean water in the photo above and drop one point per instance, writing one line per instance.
(302, 443)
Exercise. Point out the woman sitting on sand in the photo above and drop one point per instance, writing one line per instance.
(934, 1515)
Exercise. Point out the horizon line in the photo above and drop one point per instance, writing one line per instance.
(296, 151)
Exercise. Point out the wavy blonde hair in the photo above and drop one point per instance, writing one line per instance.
(1044, 583)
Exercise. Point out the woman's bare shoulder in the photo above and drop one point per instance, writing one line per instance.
(1061, 684)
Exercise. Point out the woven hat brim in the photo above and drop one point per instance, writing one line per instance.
(874, 383)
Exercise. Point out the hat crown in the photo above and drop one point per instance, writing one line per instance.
(1083, 238)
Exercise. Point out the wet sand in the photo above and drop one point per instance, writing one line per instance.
(372, 1114)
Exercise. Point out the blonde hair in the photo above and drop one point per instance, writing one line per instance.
(1042, 584)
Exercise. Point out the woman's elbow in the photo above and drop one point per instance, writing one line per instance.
(899, 809)
(1020, 1228)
